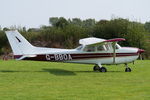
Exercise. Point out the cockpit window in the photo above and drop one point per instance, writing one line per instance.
(107, 46)
(103, 47)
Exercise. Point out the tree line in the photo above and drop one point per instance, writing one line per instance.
(65, 33)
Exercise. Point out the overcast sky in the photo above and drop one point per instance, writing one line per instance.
(34, 13)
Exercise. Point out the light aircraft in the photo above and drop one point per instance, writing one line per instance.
(92, 50)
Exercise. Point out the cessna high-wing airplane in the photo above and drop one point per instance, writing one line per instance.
(92, 51)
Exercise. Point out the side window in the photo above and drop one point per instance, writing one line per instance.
(89, 49)
(107, 46)
(104, 47)
(100, 48)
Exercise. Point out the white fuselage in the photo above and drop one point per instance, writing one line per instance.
(123, 55)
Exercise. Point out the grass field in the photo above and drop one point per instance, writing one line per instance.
(28, 80)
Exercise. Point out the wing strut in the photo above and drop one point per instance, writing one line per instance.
(114, 52)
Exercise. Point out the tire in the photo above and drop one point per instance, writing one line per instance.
(103, 69)
(128, 70)
(96, 68)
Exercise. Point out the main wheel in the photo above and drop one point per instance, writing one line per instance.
(96, 68)
(103, 69)
(128, 70)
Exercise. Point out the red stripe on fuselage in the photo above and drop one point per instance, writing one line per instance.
(17, 56)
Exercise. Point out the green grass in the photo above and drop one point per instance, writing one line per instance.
(28, 80)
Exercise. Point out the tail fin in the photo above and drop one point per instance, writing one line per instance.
(19, 44)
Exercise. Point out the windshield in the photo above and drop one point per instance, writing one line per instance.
(118, 46)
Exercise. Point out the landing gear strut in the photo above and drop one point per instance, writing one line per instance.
(98, 68)
(127, 69)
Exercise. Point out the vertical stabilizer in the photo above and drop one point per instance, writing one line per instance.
(19, 44)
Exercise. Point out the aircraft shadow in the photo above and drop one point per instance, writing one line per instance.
(57, 72)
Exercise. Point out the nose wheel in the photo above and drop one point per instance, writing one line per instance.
(98, 68)
(127, 69)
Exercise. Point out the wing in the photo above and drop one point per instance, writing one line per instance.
(97, 41)
(114, 41)
(90, 41)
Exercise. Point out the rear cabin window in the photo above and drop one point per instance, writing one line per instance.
(89, 49)
(100, 48)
